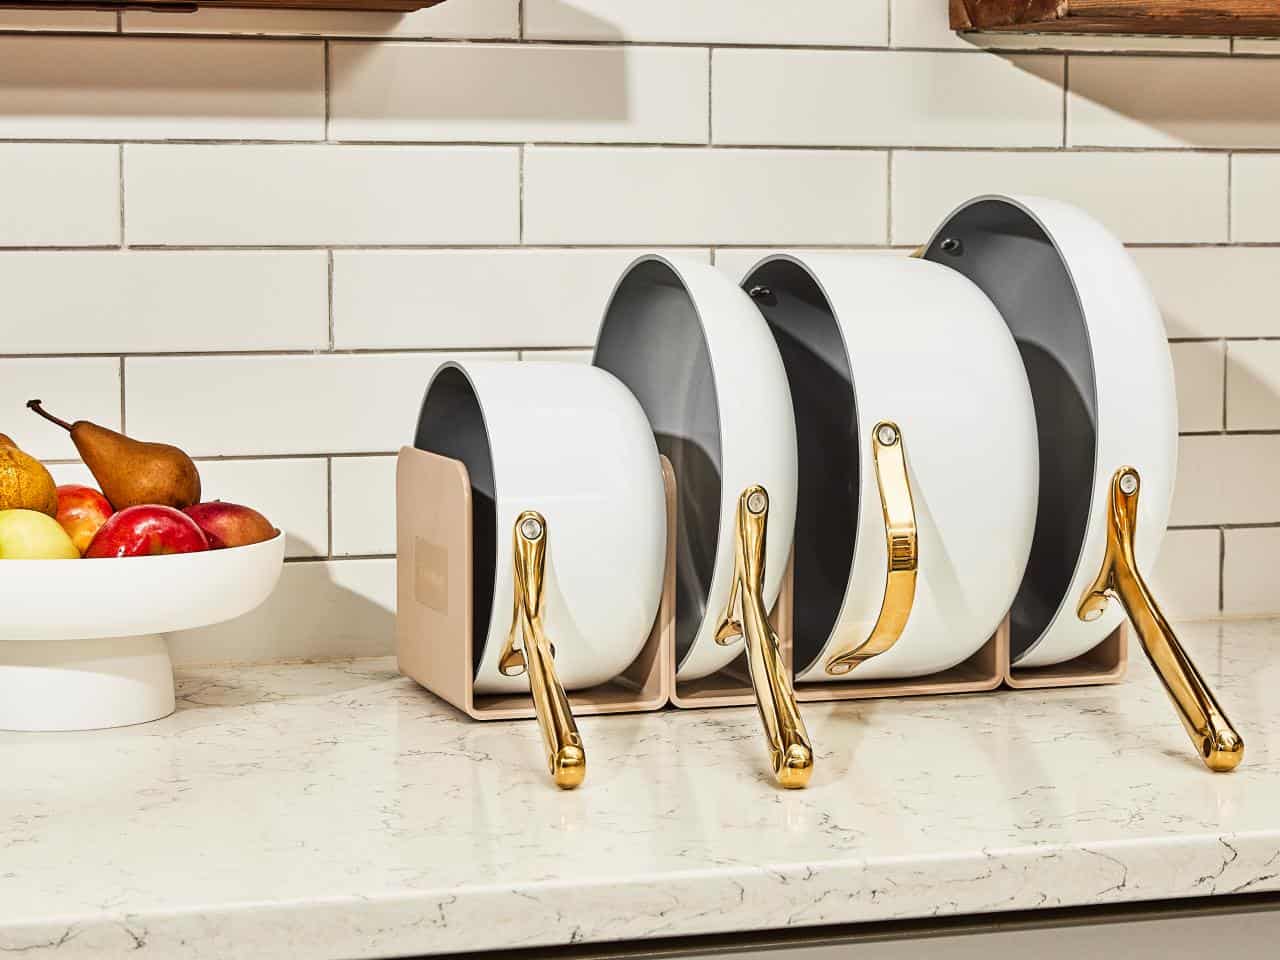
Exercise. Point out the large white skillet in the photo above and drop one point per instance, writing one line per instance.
(699, 358)
(569, 529)
(1098, 363)
(894, 360)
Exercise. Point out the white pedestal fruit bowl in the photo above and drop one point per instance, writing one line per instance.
(82, 642)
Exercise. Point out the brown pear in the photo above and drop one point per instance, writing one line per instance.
(131, 472)
(25, 484)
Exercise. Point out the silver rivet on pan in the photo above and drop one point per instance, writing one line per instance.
(759, 291)
(757, 502)
(953, 246)
(887, 435)
(530, 528)
(1129, 484)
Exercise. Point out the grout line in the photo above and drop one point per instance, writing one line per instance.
(1066, 99)
(124, 240)
(123, 425)
(710, 97)
(325, 83)
(521, 30)
(520, 196)
(330, 294)
(1222, 570)
(315, 352)
(328, 480)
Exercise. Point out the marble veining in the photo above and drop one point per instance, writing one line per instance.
(337, 810)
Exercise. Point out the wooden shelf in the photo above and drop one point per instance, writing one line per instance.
(186, 6)
(1239, 18)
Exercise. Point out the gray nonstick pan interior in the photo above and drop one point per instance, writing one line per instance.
(1002, 249)
(652, 340)
(817, 364)
(452, 425)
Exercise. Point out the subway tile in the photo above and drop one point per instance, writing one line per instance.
(1186, 574)
(95, 88)
(151, 302)
(639, 195)
(825, 22)
(72, 388)
(52, 20)
(882, 98)
(1253, 385)
(1129, 192)
(478, 19)
(1227, 480)
(313, 195)
(319, 610)
(736, 261)
(364, 505)
(558, 356)
(1255, 203)
(293, 494)
(55, 194)
(925, 23)
(445, 299)
(1198, 370)
(1266, 46)
(270, 405)
(599, 94)
(1214, 291)
(1249, 572)
(1174, 102)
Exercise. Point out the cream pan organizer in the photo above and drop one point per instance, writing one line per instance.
(846, 476)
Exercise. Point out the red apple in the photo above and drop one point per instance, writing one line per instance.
(82, 511)
(231, 525)
(147, 531)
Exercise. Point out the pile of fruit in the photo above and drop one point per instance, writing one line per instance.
(149, 502)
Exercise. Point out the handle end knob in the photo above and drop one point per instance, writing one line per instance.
(569, 766)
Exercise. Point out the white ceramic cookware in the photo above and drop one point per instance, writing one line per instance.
(699, 358)
(1097, 359)
(917, 461)
(569, 521)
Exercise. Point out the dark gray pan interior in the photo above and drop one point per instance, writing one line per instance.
(1003, 250)
(452, 425)
(652, 341)
(817, 362)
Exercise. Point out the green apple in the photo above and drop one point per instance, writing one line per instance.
(28, 535)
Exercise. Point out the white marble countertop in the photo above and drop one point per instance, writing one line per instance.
(336, 810)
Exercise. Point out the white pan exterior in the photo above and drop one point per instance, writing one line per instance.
(570, 442)
(1136, 418)
(757, 443)
(927, 350)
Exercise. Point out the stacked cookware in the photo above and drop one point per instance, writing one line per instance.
(915, 448)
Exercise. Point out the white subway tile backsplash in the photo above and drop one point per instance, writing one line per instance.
(655, 196)
(364, 505)
(826, 22)
(52, 20)
(271, 405)
(387, 299)
(1227, 480)
(598, 94)
(163, 301)
(1255, 203)
(885, 98)
(479, 19)
(736, 261)
(73, 388)
(97, 88)
(1132, 193)
(1249, 584)
(1176, 102)
(319, 610)
(313, 195)
(924, 23)
(1214, 291)
(558, 356)
(1187, 573)
(1266, 46)
(59, 195)
(1198, 370)
(1253, 385)
(293, 494)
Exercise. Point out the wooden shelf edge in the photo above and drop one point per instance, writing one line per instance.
(1238, 18)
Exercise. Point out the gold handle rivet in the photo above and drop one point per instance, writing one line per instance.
(757, 502)
(887, 435)
(531, 529)
(1129, 484)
